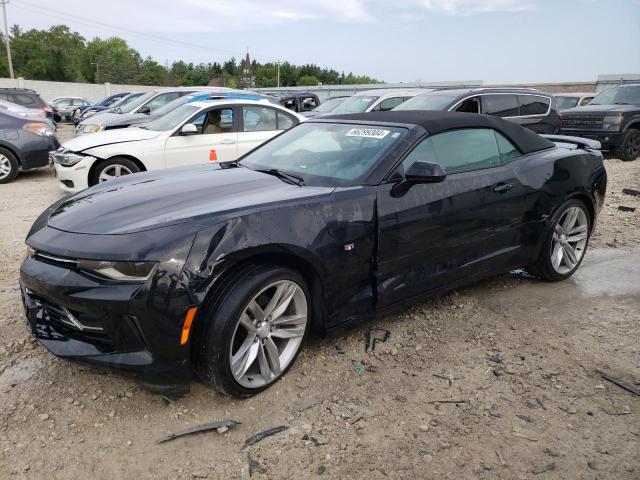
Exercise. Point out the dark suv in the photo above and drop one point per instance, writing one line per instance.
(530, 108)
(27, 98)
(612, 118)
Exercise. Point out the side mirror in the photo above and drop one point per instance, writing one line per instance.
(425, 172)
(144, 109)
(188, 129)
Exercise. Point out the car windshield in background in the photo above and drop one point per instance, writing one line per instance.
(357, 104)
(329, 105)
(629, 95)
(430, 101)
(325, 154)
(124, 102)
(129, 106)
(172, 105)
(172, 119)
(565, 103)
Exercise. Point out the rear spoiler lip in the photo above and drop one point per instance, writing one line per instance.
(579, 141)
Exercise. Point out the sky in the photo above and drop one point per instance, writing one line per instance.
(496, 41)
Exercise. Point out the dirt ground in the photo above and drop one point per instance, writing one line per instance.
(494, 381)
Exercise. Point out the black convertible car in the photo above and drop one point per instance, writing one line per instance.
(224, 268)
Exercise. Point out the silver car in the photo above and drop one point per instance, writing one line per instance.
(377, 100)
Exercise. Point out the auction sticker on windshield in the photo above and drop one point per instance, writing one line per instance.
(367, 133)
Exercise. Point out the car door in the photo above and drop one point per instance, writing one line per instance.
(433, 234)
(259, 124)
(533, 112)
(216, 139)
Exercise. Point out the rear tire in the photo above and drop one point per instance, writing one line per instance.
(242, 350)
(113, 168)
(9, 166)
(565, 242)
(629, 148)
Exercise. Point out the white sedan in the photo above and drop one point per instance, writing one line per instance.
(198, 132)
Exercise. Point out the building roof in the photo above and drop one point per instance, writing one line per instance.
(435, 122)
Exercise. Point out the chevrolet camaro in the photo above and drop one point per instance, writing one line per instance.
(222, 269)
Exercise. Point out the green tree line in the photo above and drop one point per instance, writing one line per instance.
(59, 54)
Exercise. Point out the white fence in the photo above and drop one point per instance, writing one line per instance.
(92, 91)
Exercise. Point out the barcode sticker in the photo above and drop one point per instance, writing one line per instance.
(367, 133)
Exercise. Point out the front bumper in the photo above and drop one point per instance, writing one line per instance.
(76, 177)
(608, 140)
(124, 326)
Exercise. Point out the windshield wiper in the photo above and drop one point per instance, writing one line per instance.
(621, 103)
(290, 177)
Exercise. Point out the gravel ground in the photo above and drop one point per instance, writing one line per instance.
(495, 380)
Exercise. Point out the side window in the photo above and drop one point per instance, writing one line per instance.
(111, 101)
(503, 105)
(308, 103)
(388, 104)
(162, 99)
(4, 96)
(470, 105)
(259, 119)
(214, 121)
(533, 105)
(24, 100)
(507, 150)
(285, 122)
(458, 150)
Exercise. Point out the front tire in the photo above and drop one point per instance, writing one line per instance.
(113, 168)
(565, 243)
(9, 166)
(254, 331)
(629, 148)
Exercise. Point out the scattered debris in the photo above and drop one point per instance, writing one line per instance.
(569, 410)
(622, 208)
(305, 405)
(448, 401)
(544, 468)
(310, 439)
(539, 402)
(495, 358)
(321, 469)
(359, 369)
(258, 437)
(356, 418)
(200, 428)
(502, 462)
(255, 466)
(525, 418)
(371, 340)
(614, 414)
(631, 191)
(620, 383)
(372, 369)
(339, 350)
(448, 378)
(521, 434)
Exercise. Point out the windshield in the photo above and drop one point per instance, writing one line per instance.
(629, 95)
(172, 119)
(132, 104)
(428, 101)
(564, 103)
(172, 105)
(357, 104)
(326, 154)
(125, 101)
(329, 105)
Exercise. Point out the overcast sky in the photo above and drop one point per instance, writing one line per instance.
(399, 40)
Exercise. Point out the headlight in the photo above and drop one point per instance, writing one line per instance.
(91, 128)
(66, 158)
(612, 122)
(38, 128)
(119, 271)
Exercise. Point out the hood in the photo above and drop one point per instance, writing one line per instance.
(127, 119)
(200, 194)
(590, 109)
(109, 137)
(101, 117)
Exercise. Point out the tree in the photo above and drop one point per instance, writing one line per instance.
(110, 60)
(308, 81)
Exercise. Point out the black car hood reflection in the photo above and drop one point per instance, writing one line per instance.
(199, 194)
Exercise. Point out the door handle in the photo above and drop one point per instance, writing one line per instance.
(228, 141)
(503, 187)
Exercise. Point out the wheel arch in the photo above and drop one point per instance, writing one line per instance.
(135, 160)
(633, 125)
(13, 151)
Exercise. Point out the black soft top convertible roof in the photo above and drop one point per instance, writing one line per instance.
(436, 122)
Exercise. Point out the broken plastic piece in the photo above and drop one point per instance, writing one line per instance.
(370, 340)
(262, 435)
(200, 428)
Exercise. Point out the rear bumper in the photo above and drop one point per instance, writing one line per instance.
(35, 150)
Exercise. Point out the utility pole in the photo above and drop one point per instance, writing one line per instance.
(277, 73)
(6, 36)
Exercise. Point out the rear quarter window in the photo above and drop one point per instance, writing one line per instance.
(533, 104)
(501, 105)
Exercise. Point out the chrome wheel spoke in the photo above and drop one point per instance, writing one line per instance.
(556, 256)
(256, 311)
(569, 255)
(265, 371)
(287, 332)
(245, 356)
(246, 322)
(273, 355)
(570, 219)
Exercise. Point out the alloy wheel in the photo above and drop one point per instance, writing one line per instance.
(113, 171)
(633, 147)
(569, 240)
(268, 334)
(5, 167)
